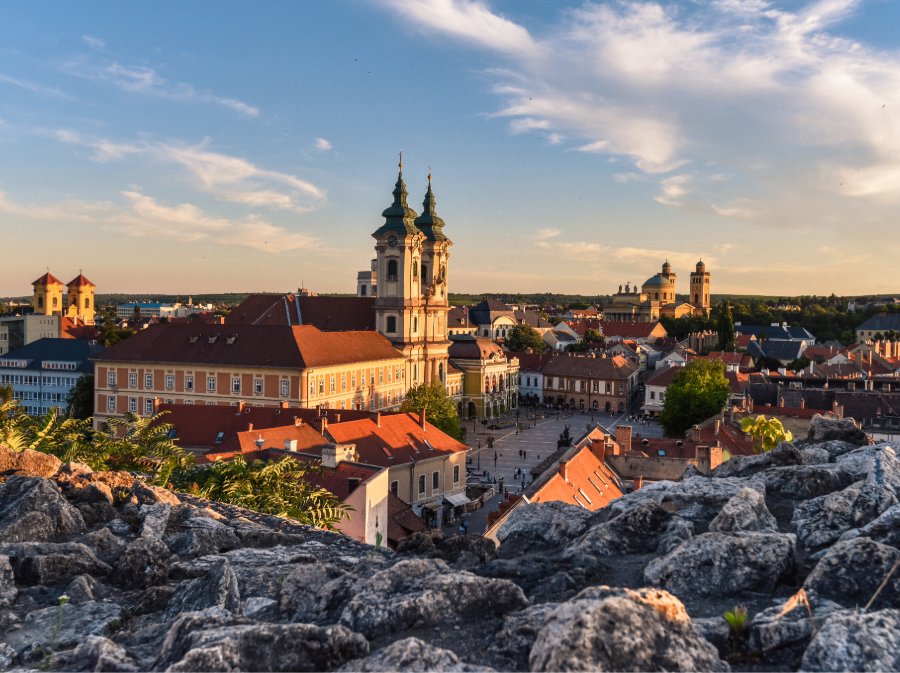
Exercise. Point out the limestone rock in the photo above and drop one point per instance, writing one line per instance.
(105, 545)
(148, 494)
(419, 593)
(29, 463)
(653, 492)
(260, 608)
(822, 429)
(154, 519)
(413, 655)
(32, 510)
(746, 511)
(434, 544)
(604, 629)
(143, 564)
(8, 591)
(855, 641)
(823, 520)
(48, 562)
(691, 471)
(120, 528)
(783, 455)
(75, 470)
(514, 639)
(95, 513)
(815, 456)
(701, 499)
(84, 589)
(97, 653)
(637, 531)
(78, 622)
(851, 572)
(542, 525)
(203, 537)
(719, 564)
(805, 481)
(314, 592)
(771, 630)
(96, 492)
(9, 658)
(218, 588)
(254, 535)
(885, 529)
(834, 447)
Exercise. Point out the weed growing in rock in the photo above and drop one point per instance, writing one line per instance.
(736, 619)
(767, 433)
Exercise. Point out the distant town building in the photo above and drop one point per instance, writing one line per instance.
(878, 325)
(657, 298)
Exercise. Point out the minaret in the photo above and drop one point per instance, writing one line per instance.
(435, 286)
(700, 287)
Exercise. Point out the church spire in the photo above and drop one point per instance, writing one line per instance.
(430, 224)
(399, 217)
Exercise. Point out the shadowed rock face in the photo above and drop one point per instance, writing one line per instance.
(163, 581)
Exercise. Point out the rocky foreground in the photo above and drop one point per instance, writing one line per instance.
(159, 581)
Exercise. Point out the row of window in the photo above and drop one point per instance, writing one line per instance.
(211, 382)
(319, 384)
(28, 395)
(435, 482)
(580, 386)
(55, 302)
(662, 396)
(26, 380)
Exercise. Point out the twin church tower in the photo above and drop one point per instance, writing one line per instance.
(411, 267)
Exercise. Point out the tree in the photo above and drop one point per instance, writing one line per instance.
(726, 328)
(593, 336)
(799, 364)
(81, 398)
(697, 392)
(439, 409)
(522, 337)
(762, 336)
(578, 306)
(766, 433)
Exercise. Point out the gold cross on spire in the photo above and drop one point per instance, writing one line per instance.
(401, 159)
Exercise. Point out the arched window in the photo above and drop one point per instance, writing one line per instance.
(392, 269)
(424, 273)
(656, 296)
(415, 324)
(362, 290)
(40, 302)
(494, 383)
(415, 268)
(391, 325)
(696, 298)
(54, 302)
(487, 384)
(87, 303)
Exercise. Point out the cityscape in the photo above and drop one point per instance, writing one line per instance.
(308, 404)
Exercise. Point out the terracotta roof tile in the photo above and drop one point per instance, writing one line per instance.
(588, 483)
(80, 281)
(329, 314)
(47, 279)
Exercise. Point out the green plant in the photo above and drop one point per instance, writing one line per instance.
(439, 408)
(697, 392)
(377, 550)
(767, 433)
(59, 618)
(736, 619)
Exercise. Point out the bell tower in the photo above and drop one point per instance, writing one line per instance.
(81, 299)
(48, 295)
(700, 287)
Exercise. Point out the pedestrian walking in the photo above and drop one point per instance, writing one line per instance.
(466, 525)
(462, 529)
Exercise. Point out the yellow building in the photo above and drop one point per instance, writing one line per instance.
(657, 298)
(491, 378)
(81, 299)
(48, 297)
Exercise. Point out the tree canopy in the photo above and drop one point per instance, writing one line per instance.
(81, 398)
(439, 408)
(522, 337)
(726, 329)
(697, 392)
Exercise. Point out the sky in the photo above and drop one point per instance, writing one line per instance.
(210, 147)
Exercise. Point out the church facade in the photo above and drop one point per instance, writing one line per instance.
(657, 298)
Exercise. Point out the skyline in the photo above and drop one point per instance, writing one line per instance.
(574, 148)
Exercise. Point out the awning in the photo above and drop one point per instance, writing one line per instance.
(457, 499)
(432, 506)
(651, 407)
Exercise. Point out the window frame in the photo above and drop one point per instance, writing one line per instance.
(257, 386)
(210, 384)
(132, 380)
(435, 481)
(236, 384)
(170, 381)
(421, 484)
(285, 388)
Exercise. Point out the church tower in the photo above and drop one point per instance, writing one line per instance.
(700, 288)
(410, 310)
(48, 295)
(81, 299)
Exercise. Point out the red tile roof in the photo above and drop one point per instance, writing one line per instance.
(730, 437)
(743, 340)
(80, 281)
(73, 329)
(253, 346)
(474, 349)
(329, 314)
(662, 376)
(588, 483)
(634, 330)
(615, 367)
(47, 279)
(402, 521)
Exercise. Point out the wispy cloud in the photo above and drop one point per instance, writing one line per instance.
(665, 85)
(227, 178)
(147, 81)
(322, 144)
(543, 234)
(94, 42)
(36, 88)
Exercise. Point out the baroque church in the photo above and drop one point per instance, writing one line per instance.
(657, 298)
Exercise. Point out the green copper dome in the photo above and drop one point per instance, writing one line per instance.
(399, 217)
(657, 280)
(428, 222)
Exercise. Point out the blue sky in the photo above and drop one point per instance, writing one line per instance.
(209, 147)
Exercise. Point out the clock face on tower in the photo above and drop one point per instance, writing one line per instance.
(392, 241)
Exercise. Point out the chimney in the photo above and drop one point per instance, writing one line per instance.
(290, 445)
(378, 419)
(623, 437)
(870, 358)
(750, 404)
(717, 428)
(249, 427)
(811, 367)
(803, 404)
(240, 407)
(638, 482)
(284, 405)
(695, 433)
(337, 418)
(839, 410)
(320, 424)
(781, 402)
(782, 371)
(155, 405)
(422, 418)
(564, 469)
(298, 421)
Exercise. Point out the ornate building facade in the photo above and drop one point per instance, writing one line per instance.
(48, 297)
(657, 298)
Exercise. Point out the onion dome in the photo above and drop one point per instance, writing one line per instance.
(428, 222)
(399, 217)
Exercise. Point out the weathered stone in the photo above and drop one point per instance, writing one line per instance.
(714, 629)
(78, 622)
(85, 588)
(652, 492)
(254, 535)
(719, 564)
(542, 525)
(805, 481)
(434, 544)
(256, 647)
(783, 455)
(815, 456)
(543, 574)
(314, 592)
(855, 641)
(48, 562)
(823, 520)
(770, 629)
(604, 629)
(691, 471)
(148, 494)
(143, 564)
(860, 462)
(514, 639)
(33, 510)
(260, 608)
(834, 448)
(823, 429)
(153, 599)
(413, 655)
(97, 653)
(419, 593)
(119, 527)
(205, 536)
(75, 470)
(701, 499)
(9, 658)
(29, 463)
(154, 519)
(885, 529)
(637, 531)
(8, 591)
(96, 492)
(95, 513)
(218, 588)
(851, 572)
(105, 545)
(746, 511)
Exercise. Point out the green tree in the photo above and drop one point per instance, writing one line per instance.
(697, 392)
(726, 328)
(762, 336)
(593, 336)
(799, 364)
(578, 306)
(80, 398)
(766, 433)
(848, 337)
(522, 337)
(439, 409)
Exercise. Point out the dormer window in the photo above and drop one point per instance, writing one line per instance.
(195, 338)
(220, 437)
(231, 339)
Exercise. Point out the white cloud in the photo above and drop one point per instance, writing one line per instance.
(804, 123)
(144, 80)
(227, 178)
(323, 144)
(94, 42)
(72, 210)
(547, 233)
(36, 88)
(673, 188)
